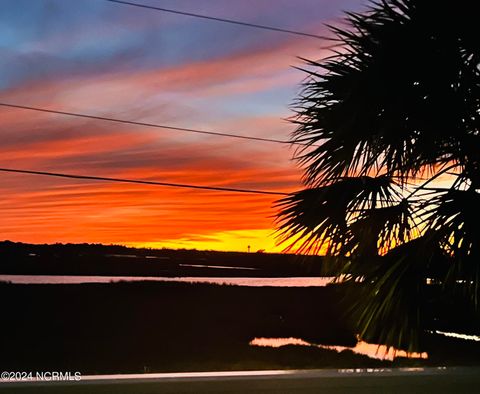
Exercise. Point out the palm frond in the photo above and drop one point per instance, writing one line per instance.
(399, 98)
(378, 230)
(319, 217)
(454, 215)
(377, 104)
(392, 301)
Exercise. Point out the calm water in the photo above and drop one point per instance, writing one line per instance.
(218, 267)
(253, 282)
(368, 349)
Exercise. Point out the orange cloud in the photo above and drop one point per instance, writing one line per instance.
(39, 209)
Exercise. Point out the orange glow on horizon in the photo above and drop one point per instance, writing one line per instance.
(229, 241)
(40, 209)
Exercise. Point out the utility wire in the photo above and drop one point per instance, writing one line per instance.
(154, 183)
(224, 20)
(220, 134)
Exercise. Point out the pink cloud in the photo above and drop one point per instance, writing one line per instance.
(47, 210)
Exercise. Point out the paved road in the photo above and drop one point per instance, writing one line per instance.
(411, 381)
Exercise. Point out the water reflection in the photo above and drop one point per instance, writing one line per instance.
(218, 267)
(380, 352)
(278, 342)
(244, 281)
(465, 337)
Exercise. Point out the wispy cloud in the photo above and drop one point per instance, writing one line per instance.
(238, 84)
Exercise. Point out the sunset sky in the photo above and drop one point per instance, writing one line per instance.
(112, 60)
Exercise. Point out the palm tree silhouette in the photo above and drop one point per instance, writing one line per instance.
(392, 162)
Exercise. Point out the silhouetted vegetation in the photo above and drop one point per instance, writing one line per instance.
(393, 110)
(114, 260)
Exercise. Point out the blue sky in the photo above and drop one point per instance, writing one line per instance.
(102, 58)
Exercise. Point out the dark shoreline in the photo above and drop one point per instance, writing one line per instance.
(113, 260)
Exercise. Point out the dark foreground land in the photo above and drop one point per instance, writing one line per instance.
(151, 326)
(138, 327)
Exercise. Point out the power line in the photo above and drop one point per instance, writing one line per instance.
(232, 21)
(137, 181)
(160, 126)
